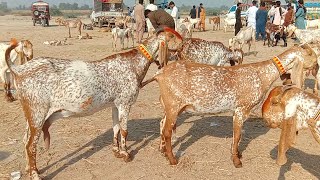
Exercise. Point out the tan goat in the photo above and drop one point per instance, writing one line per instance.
(291, 109)
(72, 24)
(212, 89)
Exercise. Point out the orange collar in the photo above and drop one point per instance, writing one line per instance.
(277, 63)
(143, 49)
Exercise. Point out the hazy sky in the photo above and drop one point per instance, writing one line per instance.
(206, 3)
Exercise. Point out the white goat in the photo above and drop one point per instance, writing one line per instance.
(22, 52)
(304, 35)
(229, 23)
(313, 24)
(121, 34)
(245, 35)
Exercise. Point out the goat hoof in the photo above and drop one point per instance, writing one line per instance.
(236, 160)
(173, 161)
(127, 158)
(281, 161)
(10, 98)
(35, 175)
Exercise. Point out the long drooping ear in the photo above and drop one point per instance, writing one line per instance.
(163, 53)
(309, 56)
(297, 74)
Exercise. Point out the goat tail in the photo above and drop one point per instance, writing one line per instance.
(13, 44)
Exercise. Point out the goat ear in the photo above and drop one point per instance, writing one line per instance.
(163, 53)
(297, 76)
(307, 48)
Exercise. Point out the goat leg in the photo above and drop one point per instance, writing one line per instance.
(239, 117)
(123, 117)
(287, 138)
(116, 130)
(46, 134)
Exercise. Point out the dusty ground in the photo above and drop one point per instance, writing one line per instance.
(81, 147)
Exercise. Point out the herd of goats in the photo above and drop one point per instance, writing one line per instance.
(196, 81)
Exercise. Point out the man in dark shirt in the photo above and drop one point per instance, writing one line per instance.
(238, 24)
(193, 12)
(261, 19)
(159, 18)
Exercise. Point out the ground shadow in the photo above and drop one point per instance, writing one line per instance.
(4, 155)
(141, 130)
(250, 53)
(222, 127)
(309, 83)
(308, 162)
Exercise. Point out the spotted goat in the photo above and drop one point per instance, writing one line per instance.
(200, 88)
(206, 52)
(21, 54)
(52, 88)
(291, 109)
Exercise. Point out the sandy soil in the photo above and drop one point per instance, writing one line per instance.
(81, 147)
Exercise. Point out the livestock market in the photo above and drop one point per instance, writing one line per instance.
(159, 89)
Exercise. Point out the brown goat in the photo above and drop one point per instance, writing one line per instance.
(211, 89)
(215, 21)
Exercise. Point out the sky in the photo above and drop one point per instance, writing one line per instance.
(206, 3)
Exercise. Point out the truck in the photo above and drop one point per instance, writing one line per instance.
(313, 9)
(106, 11)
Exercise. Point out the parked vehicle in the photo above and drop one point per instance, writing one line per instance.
(105, 11)
(232, 12)
(40, 13)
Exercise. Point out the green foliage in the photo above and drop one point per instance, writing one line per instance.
(54, 11)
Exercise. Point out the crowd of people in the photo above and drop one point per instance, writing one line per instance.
(277, 15)
(154, 17)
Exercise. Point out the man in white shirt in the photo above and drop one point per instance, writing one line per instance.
(174, 13)
(251, 15)
(151, 7)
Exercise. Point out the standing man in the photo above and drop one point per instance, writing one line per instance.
(193, 12)
(288, 17)
(151, 6)
(174, 13)
(202, 24)
(278, 14)
(261, 19)
(301, 15)
(251, 14)
(140, 20)
(238, 24)
(271, 11)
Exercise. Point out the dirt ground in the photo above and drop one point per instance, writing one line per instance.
(81, 147)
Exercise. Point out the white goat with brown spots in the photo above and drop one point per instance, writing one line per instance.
(291, 109)
(212, 89)
(23, 53)
(206, 52)
(52, 88)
